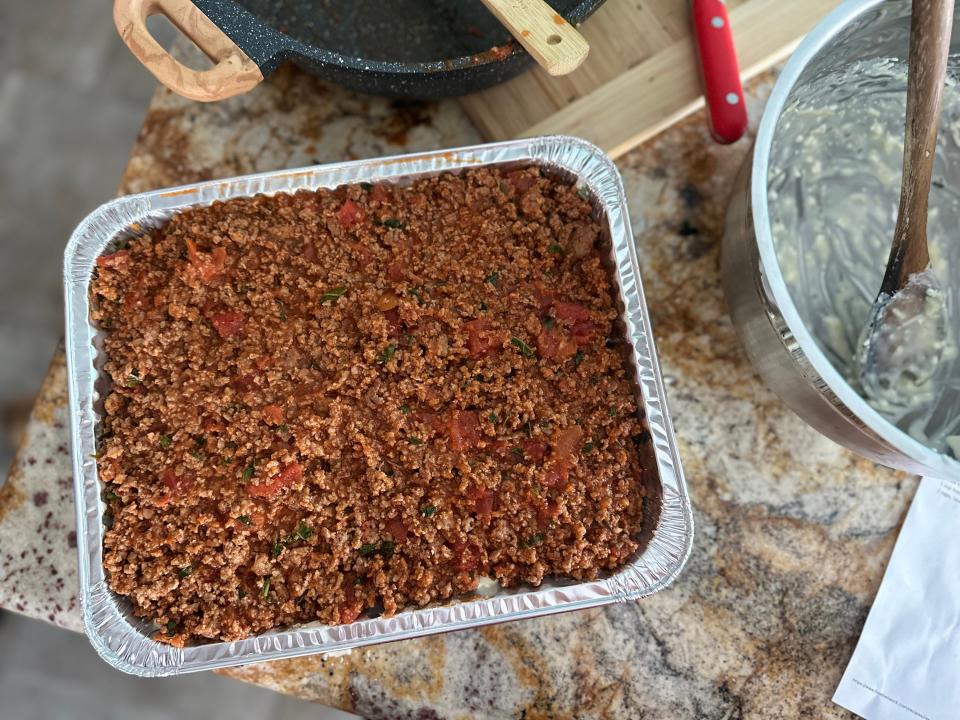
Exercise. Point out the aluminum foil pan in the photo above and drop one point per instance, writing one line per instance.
(125, 641)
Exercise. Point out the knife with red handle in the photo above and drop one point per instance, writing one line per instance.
(719, 70)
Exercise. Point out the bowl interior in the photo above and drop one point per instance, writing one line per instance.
(401, 31)
(832, 143)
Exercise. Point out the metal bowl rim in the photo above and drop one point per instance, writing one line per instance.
(811, 45)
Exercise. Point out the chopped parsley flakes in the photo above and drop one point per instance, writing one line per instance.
(524, 348)
(384, 548)
(531, 541)
(388, 352)
(332, 295)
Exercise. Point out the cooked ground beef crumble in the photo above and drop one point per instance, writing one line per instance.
(362, 399)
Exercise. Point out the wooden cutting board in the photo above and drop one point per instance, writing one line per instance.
(641, 75)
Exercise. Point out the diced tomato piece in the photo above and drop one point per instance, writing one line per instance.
(500, 448)
(467, 557)
(287, 476)
(264, 490)
(169, 479)
(211, 425)
(548, 343)
(209, 265)
(546, 512)
(305, 390)
(464, 429)
(242, 383)
(534, 450)
(544, 297)
(379, 193)
(520, 181)
(118, 259)
(348, 213)
(273, 414)
(553, 344)
(192, 252)
(309, 252)
(228, 324)
(396, 528)
(175, 484)
(178, 641)
(431, 420)
(350, 612)
(583, 332)
(351, 607)
(483, 502)
(567, 441)
(397, 270)
(393, 317)
(482, 337)
(133, 299)
(565, 444)
(552, 476)
(363, 253)
(290, 474)
(218, 261)
(571, 313)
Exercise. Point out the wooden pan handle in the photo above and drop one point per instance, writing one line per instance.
(234, 73)
(554, 43)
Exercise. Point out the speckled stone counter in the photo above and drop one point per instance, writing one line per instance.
(793, 532)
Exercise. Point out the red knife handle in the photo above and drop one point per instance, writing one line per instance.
(719, 70)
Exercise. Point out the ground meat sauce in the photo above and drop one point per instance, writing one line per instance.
(358, 400)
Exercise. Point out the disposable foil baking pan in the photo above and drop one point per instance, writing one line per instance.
(126, 642)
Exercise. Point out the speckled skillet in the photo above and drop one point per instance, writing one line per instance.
(398, 48)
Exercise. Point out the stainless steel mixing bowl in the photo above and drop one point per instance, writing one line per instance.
(773, 333)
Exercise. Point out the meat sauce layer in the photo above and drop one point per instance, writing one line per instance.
(351, 401)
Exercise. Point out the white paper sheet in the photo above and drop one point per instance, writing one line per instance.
(907, 663)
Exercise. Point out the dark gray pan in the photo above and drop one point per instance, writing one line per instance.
(398, 48)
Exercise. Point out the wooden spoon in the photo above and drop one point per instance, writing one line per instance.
(553, 42)
(903, 342)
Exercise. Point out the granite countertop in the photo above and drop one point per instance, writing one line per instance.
(793, 532)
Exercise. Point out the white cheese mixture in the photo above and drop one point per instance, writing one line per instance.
(834, 189)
